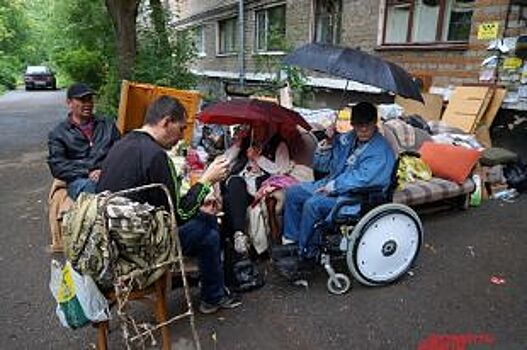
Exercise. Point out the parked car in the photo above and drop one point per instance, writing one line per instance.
(39, 77)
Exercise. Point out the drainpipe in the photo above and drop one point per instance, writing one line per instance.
(241, 52)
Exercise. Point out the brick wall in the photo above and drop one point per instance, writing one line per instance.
(360, 26)
(456, 67)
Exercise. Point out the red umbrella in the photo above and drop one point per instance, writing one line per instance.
(249, 111)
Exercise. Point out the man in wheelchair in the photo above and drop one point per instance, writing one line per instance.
(358, 164)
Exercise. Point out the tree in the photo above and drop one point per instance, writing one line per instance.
(163, 54)
(159, 17)
(124, 17)
(13, 38)
(278, 73)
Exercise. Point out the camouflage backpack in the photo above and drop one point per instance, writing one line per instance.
(138, 239)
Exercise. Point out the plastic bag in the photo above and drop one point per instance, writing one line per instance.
(79, 301)
(412, 169)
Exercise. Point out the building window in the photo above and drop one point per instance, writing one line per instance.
(199, 40)
(427, 21)
(270, 29)
(228, 36)
(327, 21)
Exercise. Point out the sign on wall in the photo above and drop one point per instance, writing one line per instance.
(488, 31)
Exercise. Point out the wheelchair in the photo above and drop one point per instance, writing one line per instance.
(379, 244)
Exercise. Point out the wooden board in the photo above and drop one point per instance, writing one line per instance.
(467, 106)
(494, 106)
(430, 110)
(136, 97)
(482, 135)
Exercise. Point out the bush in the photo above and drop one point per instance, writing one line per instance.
(109, 94)
(8, 73)
(83, 66)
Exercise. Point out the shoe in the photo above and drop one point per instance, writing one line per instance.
(287, 241)
(228, 301)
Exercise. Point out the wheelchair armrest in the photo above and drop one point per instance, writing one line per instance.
(367, 197)
(340, 219)
(366, 191)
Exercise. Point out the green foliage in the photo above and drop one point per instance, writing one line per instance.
(8, 73)
(109, 93)
(76, 38)
(157, 64)
(83, 65)
(13, 35)
(280, 73)
(12, 26)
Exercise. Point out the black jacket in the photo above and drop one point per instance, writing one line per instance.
(139, 160)
(72, 156)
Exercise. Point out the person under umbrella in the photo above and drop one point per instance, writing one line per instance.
(256, 153)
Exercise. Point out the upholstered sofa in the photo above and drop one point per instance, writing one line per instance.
(423, 192)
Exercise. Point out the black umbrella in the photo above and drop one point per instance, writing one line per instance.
(355, 65)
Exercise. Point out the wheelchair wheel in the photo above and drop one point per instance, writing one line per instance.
(384, 244)
(339, 285)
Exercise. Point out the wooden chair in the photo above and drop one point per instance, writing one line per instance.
(58, 204)
(157, 295)
(157, 291)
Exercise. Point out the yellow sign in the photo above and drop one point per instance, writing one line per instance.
(488, 31)
(512, 63)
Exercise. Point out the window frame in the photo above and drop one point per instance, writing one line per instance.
(219, 53)
(336, 35)
(440, 27)
(200, 51)
(267, 51)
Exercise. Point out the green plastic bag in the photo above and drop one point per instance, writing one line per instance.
(79, 302)
(475, 197)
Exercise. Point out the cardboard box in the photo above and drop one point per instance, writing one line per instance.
(467, 106)
(431, 109)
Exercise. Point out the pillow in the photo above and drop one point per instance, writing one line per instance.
(449, 162)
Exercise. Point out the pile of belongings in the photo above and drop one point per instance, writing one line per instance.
(133, 241)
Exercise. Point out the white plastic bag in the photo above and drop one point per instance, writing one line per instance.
(79, 301)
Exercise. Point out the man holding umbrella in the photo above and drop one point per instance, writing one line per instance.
(352, 160)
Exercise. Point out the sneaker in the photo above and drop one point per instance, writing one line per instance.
(286, 241)
(228, 301)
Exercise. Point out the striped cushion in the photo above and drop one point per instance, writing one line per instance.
(436, 189)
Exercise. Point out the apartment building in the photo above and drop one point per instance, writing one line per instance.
(436, 40)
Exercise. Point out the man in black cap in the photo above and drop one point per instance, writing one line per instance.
(354, 160)
(79, 144)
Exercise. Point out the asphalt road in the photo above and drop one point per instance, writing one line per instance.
(448, 298)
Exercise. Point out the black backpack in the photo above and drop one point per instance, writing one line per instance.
(246, 276)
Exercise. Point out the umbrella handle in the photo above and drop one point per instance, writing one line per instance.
(341, 101)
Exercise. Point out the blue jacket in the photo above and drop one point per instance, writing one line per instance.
(370, 164)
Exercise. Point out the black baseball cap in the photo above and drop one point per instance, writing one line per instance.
(363, 112)
(79, 90)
